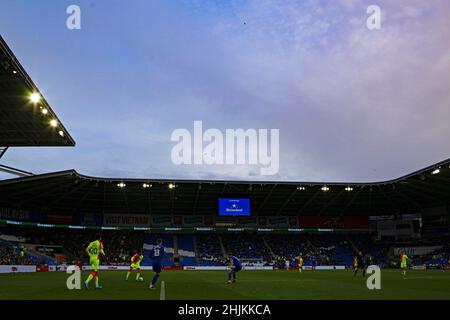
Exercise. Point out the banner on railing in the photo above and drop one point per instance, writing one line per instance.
(416, 251)
(165, 220)
(335, 222)
(126, 220)
(16, 268)
(218, 228)
(193, 221)
(219, 268)
(14, 214)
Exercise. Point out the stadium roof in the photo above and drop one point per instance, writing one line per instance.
(68, 191)
(24, 123)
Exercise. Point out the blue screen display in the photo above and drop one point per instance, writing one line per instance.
(234, 207)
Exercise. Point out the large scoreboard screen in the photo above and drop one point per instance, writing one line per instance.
(234, 207)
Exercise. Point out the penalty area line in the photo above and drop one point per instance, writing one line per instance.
(162, 294)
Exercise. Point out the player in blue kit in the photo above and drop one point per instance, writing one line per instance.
(234, 265)
(313, 263)
(157, 255)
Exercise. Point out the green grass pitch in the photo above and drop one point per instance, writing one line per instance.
(207, 285)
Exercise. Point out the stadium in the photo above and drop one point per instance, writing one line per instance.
(48, 220)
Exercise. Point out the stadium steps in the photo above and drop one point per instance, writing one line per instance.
(31, 254)
(69, 255)
(37, 256)
(269, 248)
(197, 255)
(175, 246)
(355, 248)
(222, 246)
(310, 244)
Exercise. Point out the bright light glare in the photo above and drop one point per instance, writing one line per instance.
(35, 97)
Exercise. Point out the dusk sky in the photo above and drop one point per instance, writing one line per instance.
(351, 104)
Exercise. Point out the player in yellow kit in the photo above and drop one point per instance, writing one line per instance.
(136, 264)
(300, 263)
(403, 262)
(94, 250)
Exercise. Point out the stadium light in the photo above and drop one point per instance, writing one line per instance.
(44, 111)
(171, 186)
(325, 188)
(300, 188)
(14, 72)
(61, 133)
(35, 97)
(54, 123)
(349, 189)
(121, 185)
(436, 171)
(146, 185)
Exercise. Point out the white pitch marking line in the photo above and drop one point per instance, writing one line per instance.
(162, 294)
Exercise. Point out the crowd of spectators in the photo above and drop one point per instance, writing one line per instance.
(376, 251)
(289, 247)
(439, 258)
(11, 256)
(333, 249)
(249, 246)
(209, 252)
(119, 246)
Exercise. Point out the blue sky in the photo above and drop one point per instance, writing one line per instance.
(350, 103)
